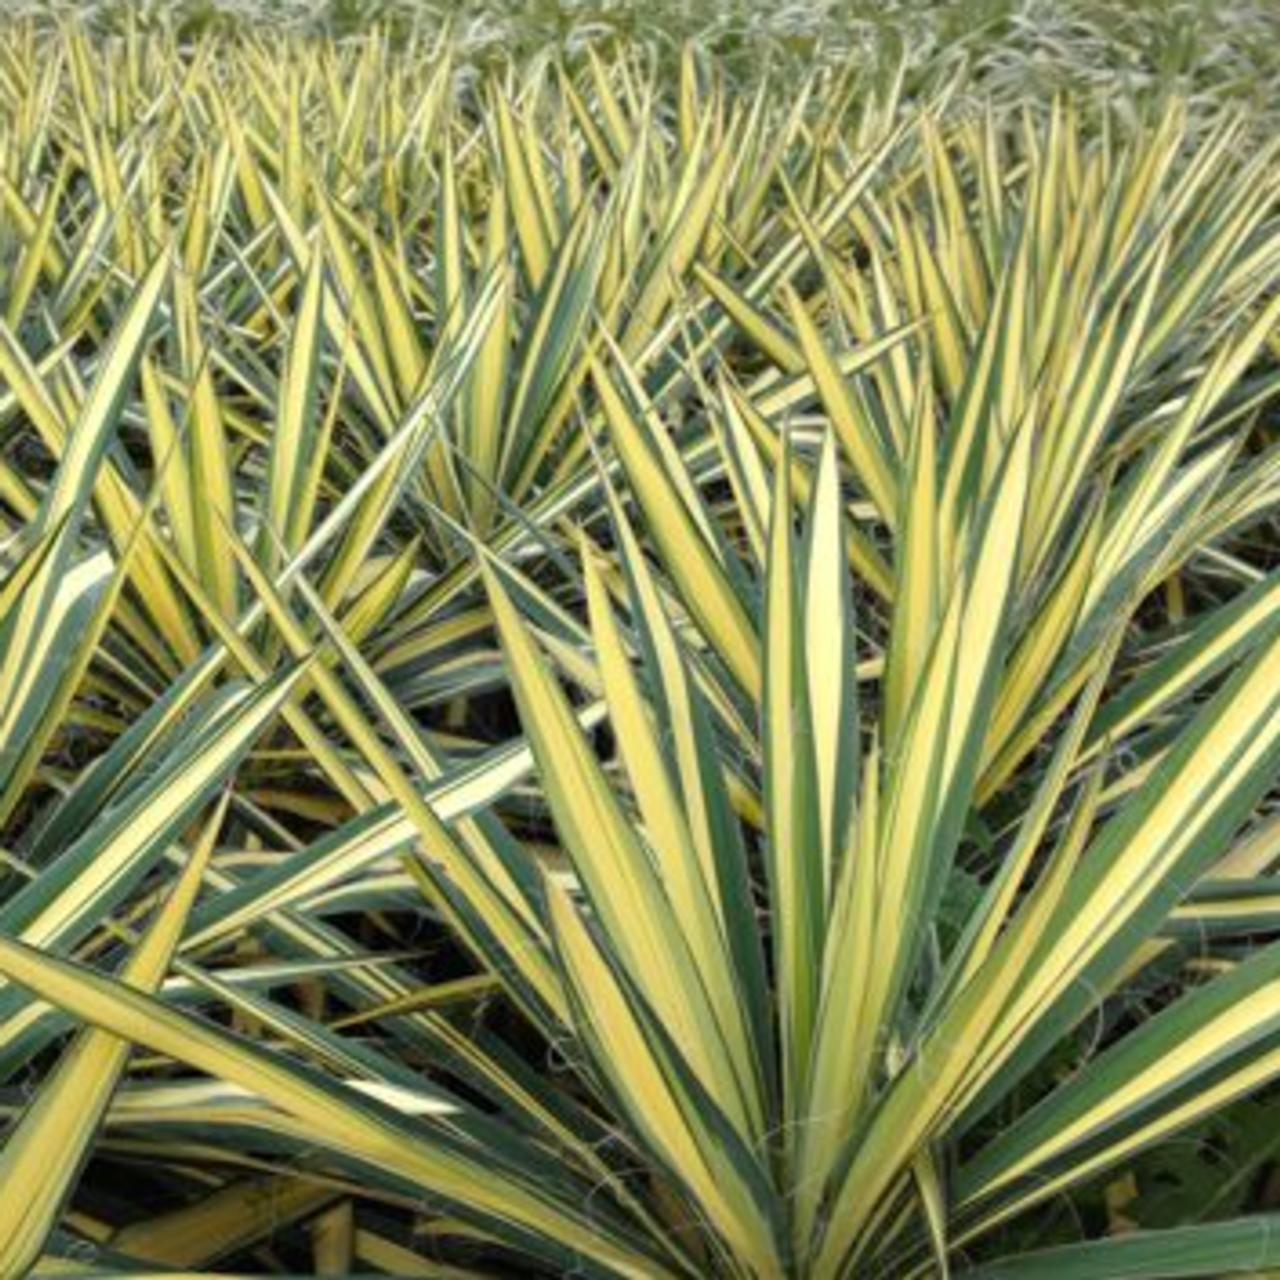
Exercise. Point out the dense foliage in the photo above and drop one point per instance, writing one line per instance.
(610, 668)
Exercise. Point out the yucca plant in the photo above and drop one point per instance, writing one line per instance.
(605, 673)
